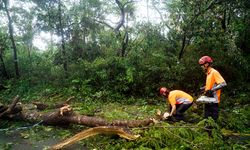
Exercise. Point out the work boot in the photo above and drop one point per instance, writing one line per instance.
(171, 119)
(179, 117)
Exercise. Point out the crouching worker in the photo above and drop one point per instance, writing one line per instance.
(179, 102)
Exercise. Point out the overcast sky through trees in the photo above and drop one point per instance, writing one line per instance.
(41, 40)
(144, 12)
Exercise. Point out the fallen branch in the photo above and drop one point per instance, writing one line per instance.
(124, 133)
(11, 107)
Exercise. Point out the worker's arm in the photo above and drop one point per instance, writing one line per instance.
(202, 89)
(172, 110)
(219, 86)
(210, 93)
(219, 81)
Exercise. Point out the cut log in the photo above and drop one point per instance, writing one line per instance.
(65, 116)
(122, 132)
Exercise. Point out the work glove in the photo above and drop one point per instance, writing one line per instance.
(202, 89)
(209, 93)
(166, 115)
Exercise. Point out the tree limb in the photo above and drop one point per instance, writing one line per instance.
(122, 132)
(11, 107)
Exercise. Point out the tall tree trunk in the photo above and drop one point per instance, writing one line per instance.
(12, 37)
(3, 68)
(124, 39)
(64, 59)
(183, 45)
(223, 21)
(30, 47)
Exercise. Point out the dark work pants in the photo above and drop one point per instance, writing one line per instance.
(180, 109)
(211, 110)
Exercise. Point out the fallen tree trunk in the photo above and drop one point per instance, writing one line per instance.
(65, 116)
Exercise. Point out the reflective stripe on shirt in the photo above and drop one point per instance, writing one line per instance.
(182, 101)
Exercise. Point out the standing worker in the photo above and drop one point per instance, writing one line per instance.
(214, 83)
(179, 102)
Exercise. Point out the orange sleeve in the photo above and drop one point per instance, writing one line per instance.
(171, 99)
(218, 78)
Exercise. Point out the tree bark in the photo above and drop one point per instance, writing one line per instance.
(65, 116)
(10, 110)
(124, 39)
(64, 58)
(183, 45)
(5, 74)
(12, 37)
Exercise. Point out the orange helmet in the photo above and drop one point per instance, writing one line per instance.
(163, 90)
(205, 59)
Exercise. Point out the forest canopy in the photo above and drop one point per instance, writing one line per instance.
(125, 56)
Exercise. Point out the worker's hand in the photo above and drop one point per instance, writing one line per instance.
(166, 115)
(202, 89)
(209, 93)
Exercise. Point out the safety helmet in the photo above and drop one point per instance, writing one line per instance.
(163, 90)
(205, 59)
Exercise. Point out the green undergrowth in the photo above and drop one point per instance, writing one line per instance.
(169, 136)
(234, 118)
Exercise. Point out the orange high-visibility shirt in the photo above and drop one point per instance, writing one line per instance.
(179, 97)
(214, 78)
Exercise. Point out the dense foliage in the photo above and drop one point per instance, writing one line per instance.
(125, 59)
(93, 58)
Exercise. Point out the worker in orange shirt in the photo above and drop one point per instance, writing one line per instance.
(214, 83)
(179, 102)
